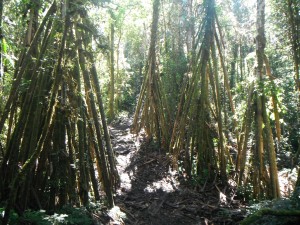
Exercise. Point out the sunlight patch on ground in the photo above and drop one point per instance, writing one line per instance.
(167, 184)
(126, 177)
(287, 180)
(126, 181)
(126, 145)
(117, 215)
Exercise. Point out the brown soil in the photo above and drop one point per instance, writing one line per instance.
(152, 194)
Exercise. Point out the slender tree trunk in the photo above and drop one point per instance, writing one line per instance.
(111, 156)
(274, 99)
(17, 141)
(93, 175)
(154, 116)
(274, 183)
(19, 71)
(233, 75)
(241, 64)
(19, 178)
(82, 150)
(294, 18)
(94, 114)
(241, 160)
(205, 55)
(261, 116)
(111, 104)
(260, 45)
(227, 87)
(71, 169)
(1, 50)
(219, 115)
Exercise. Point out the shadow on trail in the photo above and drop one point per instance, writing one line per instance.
(151, 194)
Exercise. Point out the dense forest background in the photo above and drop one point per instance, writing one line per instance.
(214, 84)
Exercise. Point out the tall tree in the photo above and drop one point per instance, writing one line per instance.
(294, 33)
(152, 102)
(192, 130)
(111, 103)
(53, 120)
(265, 183)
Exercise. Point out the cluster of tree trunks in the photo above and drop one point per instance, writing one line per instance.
(57, 143)
(199, 135)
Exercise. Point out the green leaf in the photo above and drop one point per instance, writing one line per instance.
(4, 46)
(10, 59)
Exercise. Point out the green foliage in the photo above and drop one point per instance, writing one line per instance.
(274, 217)
(127, 90)
(281, 211)
(296, 197)
(245, 192)
(199, 180)
(36, 217)
(76, 216)
(13, 216)
(24, 85)
(174, 66)
(66, 216)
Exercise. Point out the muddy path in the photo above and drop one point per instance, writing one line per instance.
(152, 194)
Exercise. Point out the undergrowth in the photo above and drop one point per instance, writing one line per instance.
(66, 216)
(275, 212)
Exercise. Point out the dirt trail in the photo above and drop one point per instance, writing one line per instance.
(152, 194)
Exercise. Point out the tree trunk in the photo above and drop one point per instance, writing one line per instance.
(91, 103)
(154, 116)
(111, 104)
(261, 116)
(1, 50)
(274, 99)
(20, 177)
(19, 71)
(219, 115)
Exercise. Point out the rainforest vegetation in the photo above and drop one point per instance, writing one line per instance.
(149, 112)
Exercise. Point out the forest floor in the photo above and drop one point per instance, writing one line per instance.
(152, 194)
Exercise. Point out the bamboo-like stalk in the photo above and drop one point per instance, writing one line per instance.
(152, 111)
(19, 178)
(1, 39)
(247, 121)
(93, 175)
(94, 114)
(23, 123)
(227, 88)
(71, 169)
(111, 104)
(111, 157)
(219, 114)
(274, 184)
(200, 137)
(20, 70)
(293, 17)
(81, 148)
(274, 99)
(259, 133)
(264, 138)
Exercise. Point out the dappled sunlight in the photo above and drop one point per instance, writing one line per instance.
(150, 187)
(126, 146)
(116, 214)
(167, 184)
(149, 112)
(287, 180)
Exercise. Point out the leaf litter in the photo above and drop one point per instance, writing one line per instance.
(151, 193)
